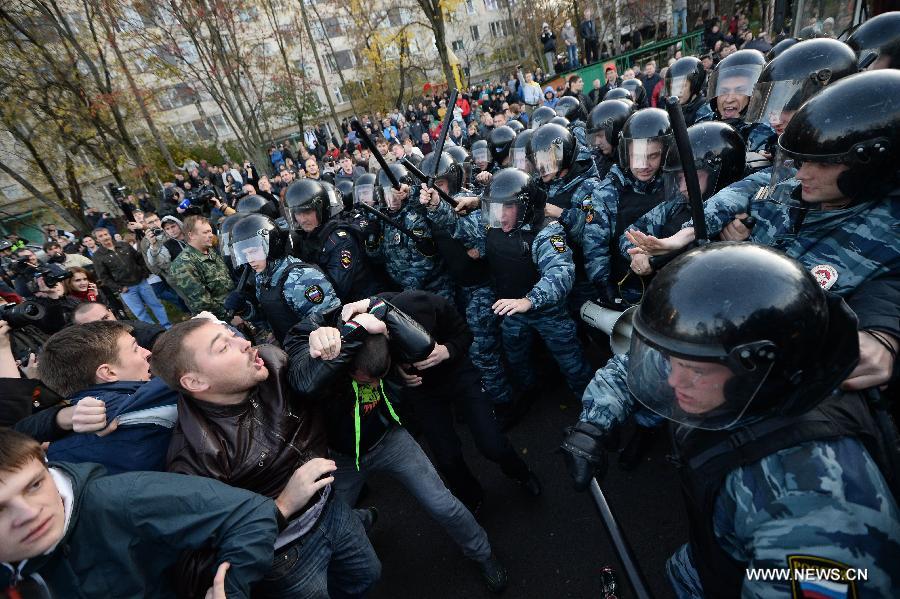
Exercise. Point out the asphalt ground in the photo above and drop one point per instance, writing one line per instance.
(554, 545)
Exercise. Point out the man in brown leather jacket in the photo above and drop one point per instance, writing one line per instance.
(240, 423)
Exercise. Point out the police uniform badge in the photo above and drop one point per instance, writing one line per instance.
(341, 233)
(816, 577)
(588, 208)
(559, 243)
(396, 238)
(315, 294)
(825, 275)
(346, 258)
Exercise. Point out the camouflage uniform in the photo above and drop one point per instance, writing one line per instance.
(842, 248)
(824, 499)
(757, 136)
(599, 233)
(306, 290)
(405, 264)
(547, 316)
(202, 280)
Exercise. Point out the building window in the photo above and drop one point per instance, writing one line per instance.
(470, 7)
(490, 4)
(332, 26)
(474, 31)
(457, 45)
(218, 123)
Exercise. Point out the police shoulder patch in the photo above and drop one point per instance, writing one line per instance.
(346, 258)
(559, 243)
(825, 275)
(341, 233)
(315, 294)
(813, 576)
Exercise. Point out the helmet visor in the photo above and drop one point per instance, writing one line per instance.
(546, 162)
(480, 155)
(506, 214)
(738, 80)
(335, 202)
(644, 156)
(784, 170)
(391, 200)
(520, 159)
(600, 140)
(774, 102)
(705, 394)
(364, 194)
(224, 244)
(679, 87)
(250, 250)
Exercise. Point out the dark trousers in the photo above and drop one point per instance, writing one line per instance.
(590, 51)
(433, 404)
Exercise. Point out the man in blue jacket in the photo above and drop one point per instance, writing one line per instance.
(102, 360)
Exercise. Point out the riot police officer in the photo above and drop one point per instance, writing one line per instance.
(880, 36)
(686, 80)
(532, 272)
(326, 241)
(604, 126)
(777, 470)
(620, 93)
(287, 289)
(638, 94)
(255, 204)
(570, 108)
(519, 152)
(729, 90)
(541, 116)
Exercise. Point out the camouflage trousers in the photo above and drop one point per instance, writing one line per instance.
(443, 286)
(682, 575)
(486, 349)
(556, 327)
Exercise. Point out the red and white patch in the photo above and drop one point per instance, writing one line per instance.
(825, 275)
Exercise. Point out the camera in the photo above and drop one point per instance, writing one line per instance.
(157, 231)
(21, 315)
(53, 274)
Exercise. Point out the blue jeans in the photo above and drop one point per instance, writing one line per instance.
(335, 559)
(141, 295)
(679, 15)
(398, 455)
(572, 51)
(164, 292)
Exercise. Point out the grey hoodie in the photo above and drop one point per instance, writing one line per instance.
(159, 258)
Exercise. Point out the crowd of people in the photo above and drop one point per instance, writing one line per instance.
(197, 395)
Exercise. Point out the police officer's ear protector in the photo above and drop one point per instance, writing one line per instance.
(870, 173)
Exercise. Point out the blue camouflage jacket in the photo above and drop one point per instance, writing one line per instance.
(585, 184)
(549, 253)
(306, 290)
(825, 499)
(842, 248)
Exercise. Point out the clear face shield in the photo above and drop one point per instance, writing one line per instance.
(707, 394)
(774, 102)
(481, 156)
(732, 88)
(643, 157)
(520, 159)
(224, 243)
(391, 200)
(674, 184)
(546, 162)
(335, 203)
(506, 214)
(250, 250)
(364, 194)
(600, 141)
(679, 87)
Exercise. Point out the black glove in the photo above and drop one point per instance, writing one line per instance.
(584, 454)
(236, 302)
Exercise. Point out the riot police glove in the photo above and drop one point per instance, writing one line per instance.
(236, 303)
(584, 454)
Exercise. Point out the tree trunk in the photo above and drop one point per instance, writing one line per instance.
(63, 214)
(315, 50)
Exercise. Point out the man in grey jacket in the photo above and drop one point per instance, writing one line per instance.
(571, 41)
(159, 251)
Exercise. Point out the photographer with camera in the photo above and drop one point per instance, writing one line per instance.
(56, 255)
(120, 267)
(24, 264)
(49, 292)
(163, 241)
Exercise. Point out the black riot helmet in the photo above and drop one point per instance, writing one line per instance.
(685, 79)
(856, 123)
(645, 141)
(386, 190)
(561, 121)
(257, 237)
(448, 170)
(519, 151)
(730, 330)
(499, 142)
(541, 116)
(462, 158)
(512, 200)
(733, 79)
(516, 125)
(225, 228)
(795, 76)
(335, 200)
(254, 204)
(305, 195)
(619, 93)
(880, 36)
(605, 123)
(480, 153)
(719, 155)
(551, 150)
(637, 91)
(570, 108)
(345, 188)
(780, 47)
(364, 189)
